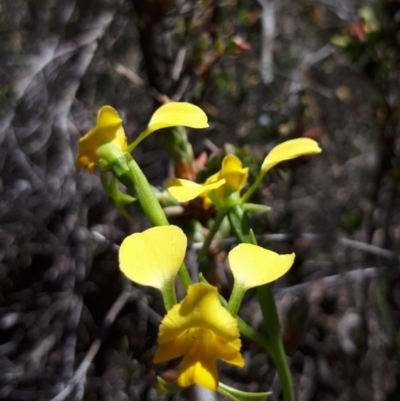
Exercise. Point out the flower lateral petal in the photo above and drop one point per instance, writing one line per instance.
(185, 190)
(176, 114)
(154, 256)
(290, 150)
(229, 352)
(171, 349)
(253, 266)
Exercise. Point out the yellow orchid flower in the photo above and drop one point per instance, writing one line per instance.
(153, 257)
(106, 140)
(253, 265)
(173, 114)
(201, 330)
(220, 187)
(235, 176)
(290, 150)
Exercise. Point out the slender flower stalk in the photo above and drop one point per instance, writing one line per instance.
(272, 327)
(214, 229)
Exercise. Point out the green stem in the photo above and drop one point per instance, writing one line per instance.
(267, 303)
(235, 300)
(184, 276)
(139, 139)
(272, 326)
(255, 336)
(207, 242)
(253, 187)
(169, 296)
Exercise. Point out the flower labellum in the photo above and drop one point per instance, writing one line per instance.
(185, 190)
(201, 330)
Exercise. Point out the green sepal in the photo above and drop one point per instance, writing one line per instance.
(256, 208)
(253, 239)
(167, 387)
(239, 223)
(103, 164)
(237, 395)
(120, 199)
(175, 142)
(223, 389)
(120, 168)
(164, 197)
(215, 200)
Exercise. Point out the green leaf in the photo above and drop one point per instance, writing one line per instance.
(167, 387)
(223, 389)
(120, 199)
(237, 395)
(256, 208)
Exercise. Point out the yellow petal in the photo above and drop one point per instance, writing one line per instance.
(108, 117)
(108, 127)
(253, 266)
(86, 161)
(171, 349)
(195, 311)
(234, 173)
(184, 190)
(290, 150)
(108, 131)
(228, 352)
(175, 114)
(198, 367)
(154, 256)
(235, 176)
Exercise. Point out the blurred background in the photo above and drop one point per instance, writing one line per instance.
(71, 327)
